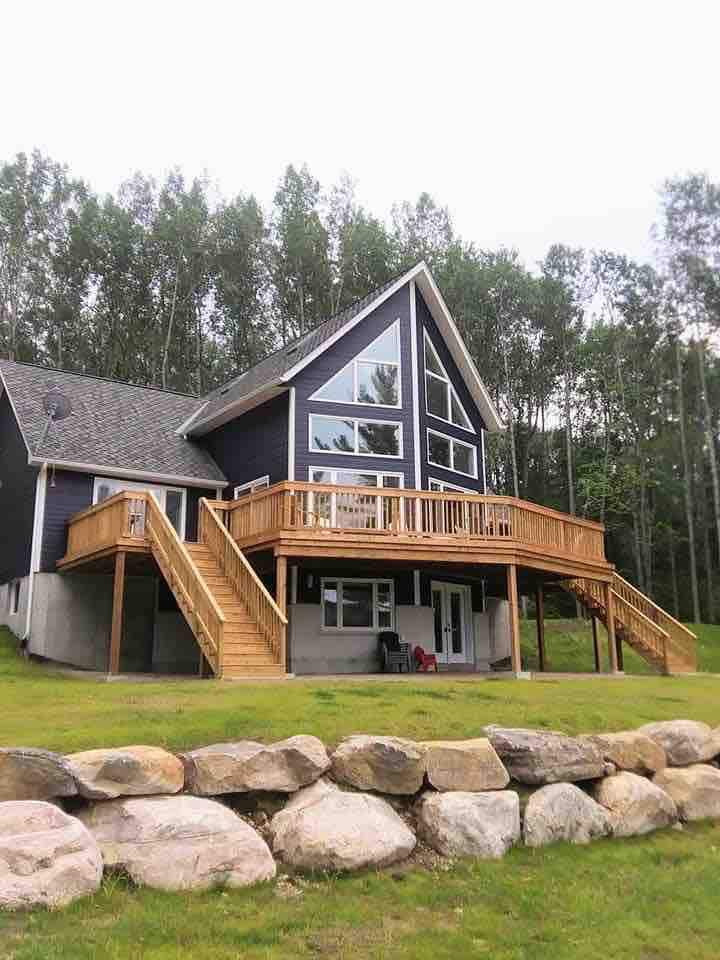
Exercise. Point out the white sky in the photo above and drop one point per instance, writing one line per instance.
(534, 122)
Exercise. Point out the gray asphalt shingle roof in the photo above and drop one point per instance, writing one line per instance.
(272, 368)
(112, 424)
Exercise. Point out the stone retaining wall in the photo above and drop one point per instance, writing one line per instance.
(229, 813)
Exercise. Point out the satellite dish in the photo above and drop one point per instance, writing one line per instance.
(57, 406)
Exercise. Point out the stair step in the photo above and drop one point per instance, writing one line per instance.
(253, 672)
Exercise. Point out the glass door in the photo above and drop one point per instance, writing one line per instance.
(450, 621)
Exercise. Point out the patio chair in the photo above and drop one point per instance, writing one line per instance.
(424, 661)
(395, 656)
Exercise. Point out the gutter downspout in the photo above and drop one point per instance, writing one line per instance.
(38, 524)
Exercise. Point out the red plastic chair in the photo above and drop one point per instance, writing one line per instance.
(423, 661)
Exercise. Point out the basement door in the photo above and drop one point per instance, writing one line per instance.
(451, 619)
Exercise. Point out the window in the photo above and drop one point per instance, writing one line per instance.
(14, 596)
(358, 604)
(355, 478)
(245, 489)
(441, 400)
(452, 454)
(373, 377)
(371, 438)
(439, 486)
(171, 499)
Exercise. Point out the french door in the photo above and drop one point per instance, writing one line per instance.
(451, 619)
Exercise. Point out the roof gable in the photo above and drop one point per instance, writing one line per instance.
(274, 374)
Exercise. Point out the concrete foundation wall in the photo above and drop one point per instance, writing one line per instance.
(15, 621)
(175, 649)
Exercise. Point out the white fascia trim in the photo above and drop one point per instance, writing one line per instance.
(267, 391)
(37, 536)
(482, 453)
(184, 427)
(4, 388)
(415, 384)
(385, 295)
(291, 435)
(459, 351)
(104, 470)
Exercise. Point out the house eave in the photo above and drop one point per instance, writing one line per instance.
(237, 407)
(122, 473)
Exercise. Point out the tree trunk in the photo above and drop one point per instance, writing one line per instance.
(707, 554)
(673, 574)
(687, 484)
(171, 321)
(709, 439)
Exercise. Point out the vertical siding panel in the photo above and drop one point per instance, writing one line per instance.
(17, 497)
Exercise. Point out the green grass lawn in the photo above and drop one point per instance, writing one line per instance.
(653, 898)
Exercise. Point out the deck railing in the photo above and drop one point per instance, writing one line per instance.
(121, 517)
(683, 642)
(268, 617)
(412, 513)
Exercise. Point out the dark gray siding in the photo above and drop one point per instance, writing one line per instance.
(253, 444)
(68, 492)
(403, 579)
(17, 497)
(426, 322)
(335, 358)
(191, 510)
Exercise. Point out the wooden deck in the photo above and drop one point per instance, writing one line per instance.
(416, 526)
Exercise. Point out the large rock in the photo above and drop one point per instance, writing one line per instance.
(695, 790)
(684, 741)
(382, 764)
(239, 767)
(47, 858)
(462, 824)
(562, 811)
(464, 765)
(635, 804)
(631, 750)
(538, 757)
(29, 774)
(324, 828)
(179, 842)
(126, 771)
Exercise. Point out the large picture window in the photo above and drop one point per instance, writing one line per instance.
(358, 604)
(441, 400)
(452, 454)
(372, 377)
(369, 438)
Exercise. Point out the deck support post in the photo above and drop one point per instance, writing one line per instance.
(596, 643)
(620, 658)
(117, 613)
(512, 592)
(281, 601)
(540, 625)
(610, 624)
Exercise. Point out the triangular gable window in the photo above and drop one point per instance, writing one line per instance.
(440, 397)
(372, 377)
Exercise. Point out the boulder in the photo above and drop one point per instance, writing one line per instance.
(240, 767)
(179, 842)
(125, 771)
(47, 858)
(538, 757)
(464, 765)
(382, 764)
(695, 790)
(684, 741)
(29, 774)
(631, 750)
(562, 811)
(324, 828)
(636, 805)
(463, 824)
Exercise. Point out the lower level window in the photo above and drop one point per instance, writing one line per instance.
(358, 604)
(171, 499)
(245, 489)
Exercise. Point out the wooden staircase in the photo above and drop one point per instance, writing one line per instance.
(661, 640)
(237, 624)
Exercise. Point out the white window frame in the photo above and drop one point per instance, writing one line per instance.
(374, 628)
(448, 383)
(354, 364)
(14, 590)
(447, 486)
(259, 483)
(452, 440)
(355, 421)
(152, 488)
(334, 471)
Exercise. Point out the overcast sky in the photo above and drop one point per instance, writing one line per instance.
(534, 122)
